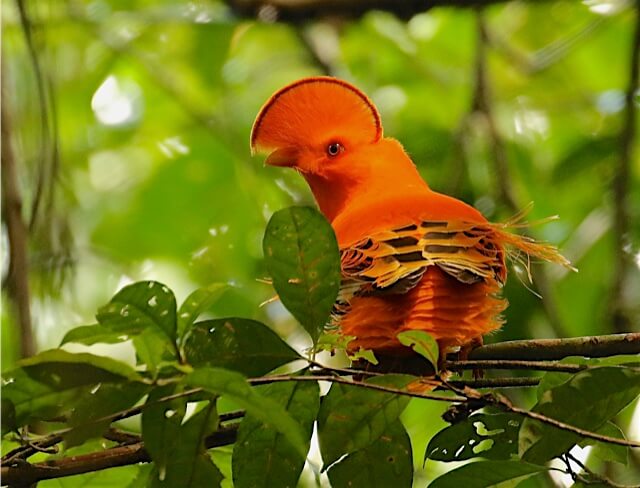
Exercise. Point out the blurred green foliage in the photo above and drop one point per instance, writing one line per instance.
(150, 177)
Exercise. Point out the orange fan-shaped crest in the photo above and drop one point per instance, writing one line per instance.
(313, 110)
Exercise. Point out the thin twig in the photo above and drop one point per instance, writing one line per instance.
(518, 382)
(121, 437)
(620, 319)
(513, 364)
(567, 427)
(18, 274)
(318, 60)
(369, 386)
(596, 478)
(547, 56)
(504, 403)
(39, 77)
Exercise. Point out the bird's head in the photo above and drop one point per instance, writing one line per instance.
(316, 125)
(331, 133)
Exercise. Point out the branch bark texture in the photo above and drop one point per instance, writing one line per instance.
(304, 10)
(552, 349)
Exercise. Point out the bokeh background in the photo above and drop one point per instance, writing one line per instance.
(127, 124)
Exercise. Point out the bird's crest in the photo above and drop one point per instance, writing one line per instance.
(313, 109)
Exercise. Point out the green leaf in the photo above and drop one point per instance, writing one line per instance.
(233, 385)
(423, 343)
(366, 354)
(161, 422)
(51, 382)
(492, 436)
(196, 303)
(243, 345)
(153, 349)
(122, 476)
(588, 400)
(483, 474)
(302, 256)
(262, 456)
(330, 341)
(93, 334)
(188, 464)
(138, 306)
(8, 415)
(384, 463)
(104, 400)
(143, 478)
(553, 378)
(605, 450)
(352, 417)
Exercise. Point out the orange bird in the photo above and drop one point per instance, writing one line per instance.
(411, 258)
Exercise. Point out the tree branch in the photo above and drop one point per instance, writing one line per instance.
(569, 428)
(546, 349)
(514, 364)
(483, 400)
(518, 382)
(21, 473)
(25, 474)
(300, 11)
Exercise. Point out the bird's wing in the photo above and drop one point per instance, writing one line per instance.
(394, 261)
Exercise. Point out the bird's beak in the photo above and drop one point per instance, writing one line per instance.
(285, 156)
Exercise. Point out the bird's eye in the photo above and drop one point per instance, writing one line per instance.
(334, 149)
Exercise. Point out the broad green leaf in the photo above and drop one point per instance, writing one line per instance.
(153, 349)
(588, 400)
(122, 476)
(233, 385)
(553, 378)
(51, 382)
(491, 436)
(301, 254)
(423, 343)
(262, 456)
(99, 402)
(196, 303)
(138, 306)
(188, 464)
(61, 356)
(352, 417)
(144, 476)
(161, 423)
(384, 463)
(243, 345)
(483, 474)
(93, 334)
(8, 415)
(605, 450)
